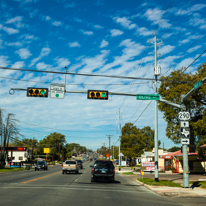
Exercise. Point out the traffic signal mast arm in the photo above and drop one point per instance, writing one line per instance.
(192, 91)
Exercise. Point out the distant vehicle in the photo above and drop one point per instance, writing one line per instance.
(102, 169)
(91, 159)
(70, 166)
(41, 165)
(80, 164)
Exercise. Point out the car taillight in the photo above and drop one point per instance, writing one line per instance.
(92, 169)
(76, 165)
(114, 170)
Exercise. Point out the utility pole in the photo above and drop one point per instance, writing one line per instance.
(109, 145)
(113, 151)
(59, 153)
(119, 142)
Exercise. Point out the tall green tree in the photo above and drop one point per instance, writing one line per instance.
(171, 89)
(134, 140)
(201, 152)
(174, 149)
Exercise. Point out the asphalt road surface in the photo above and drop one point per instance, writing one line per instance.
(51, 187)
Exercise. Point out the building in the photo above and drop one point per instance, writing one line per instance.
(16, 154)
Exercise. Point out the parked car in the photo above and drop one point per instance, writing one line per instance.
(70, 166)
(80, 164)
(102, 169)
(41, 165)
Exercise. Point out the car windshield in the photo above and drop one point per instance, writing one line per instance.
(70, 162)
(103, 164)
(40, 163)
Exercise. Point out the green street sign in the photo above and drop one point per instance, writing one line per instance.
(148, 96)
(198, 84)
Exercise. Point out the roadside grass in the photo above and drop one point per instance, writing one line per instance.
(11, 169)
(152, 182)
(201, 184)
(128, 173)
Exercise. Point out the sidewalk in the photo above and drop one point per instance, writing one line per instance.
(168, 191)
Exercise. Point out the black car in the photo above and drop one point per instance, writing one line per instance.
(41, 165)
(80, 164)
(103, 169)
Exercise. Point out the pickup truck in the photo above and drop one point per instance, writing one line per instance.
(70, 166)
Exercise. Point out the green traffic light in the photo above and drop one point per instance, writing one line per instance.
(42, 92)
(103, 94)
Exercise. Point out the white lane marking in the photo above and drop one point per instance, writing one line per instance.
(66, 188)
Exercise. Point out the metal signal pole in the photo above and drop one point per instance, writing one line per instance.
(109, 144)
(119, 142)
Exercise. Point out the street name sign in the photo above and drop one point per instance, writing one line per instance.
(198, 84)
(184, 116)
(184, 124)
(185, 132)
(57, 91)
(148, 96)
(185, 141)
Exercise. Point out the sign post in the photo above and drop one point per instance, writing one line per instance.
(57, 91)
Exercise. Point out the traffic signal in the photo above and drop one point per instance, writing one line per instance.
(97, 94)
(37, 92)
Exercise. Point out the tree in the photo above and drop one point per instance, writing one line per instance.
(201, 152)
(174, 149)
(52, 140)
(135, 140)
(8, 132)
(171, 89)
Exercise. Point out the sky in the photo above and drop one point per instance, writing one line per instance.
(106, 37)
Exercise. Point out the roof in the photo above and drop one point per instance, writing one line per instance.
(203, 146)
(177, 153)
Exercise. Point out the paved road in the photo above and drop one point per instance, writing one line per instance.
(53, 188)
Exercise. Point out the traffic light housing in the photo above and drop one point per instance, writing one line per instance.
(37, 92)
(97, 94)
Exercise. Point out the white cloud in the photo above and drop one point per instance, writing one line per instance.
(17, 44)
(44, 52)
(143, 31)
(18, 64)
(166, 49)
(116, 32)
(10, 30)
(197, 20)
(155, 15)
(4, 61)
(194, 48)
(24, 53)
(89, 33)
(192, 9)
(42, 65)
(70, 5)
(98, 27)
(47, 18)
(103, 43)
(125, 22)
(14, 20)
(74, 44)
(62, 62)
(57, 23)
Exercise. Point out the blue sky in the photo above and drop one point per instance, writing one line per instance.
(96, 37)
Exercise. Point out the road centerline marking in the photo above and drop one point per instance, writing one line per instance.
(40, 178)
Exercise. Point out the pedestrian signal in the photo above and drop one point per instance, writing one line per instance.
(37, 92)
(97, 94)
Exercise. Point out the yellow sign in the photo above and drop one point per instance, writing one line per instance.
(142, 172)
(46, 150)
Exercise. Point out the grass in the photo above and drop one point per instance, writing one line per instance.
(11, 169)
(152, 182)
(201, 184)
(128, 173)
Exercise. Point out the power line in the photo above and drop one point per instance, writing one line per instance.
(175, 19)
(185, 51)
(143, 111)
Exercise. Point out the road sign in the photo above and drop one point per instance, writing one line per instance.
(185, 141)
(184, 124)
(198, 84)
(46, 150)
(57, 91)
(184, 116)
(185, 132)
(148, 96)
